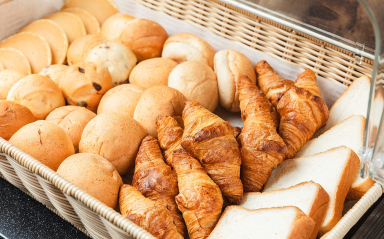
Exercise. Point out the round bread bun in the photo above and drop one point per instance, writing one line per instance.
(229, 66)
(33, 46)
(116, 57)
(71, 24)
(54, 72)
(144, 37)
(101, 9)
(85, 83)
(54, 35)
(114, 137)
(72, 119)
(44, 141)
(78, 50)
(13, 116)
(39, 93)
(113, 26)
(197, 81)
(183, 47)
(121, 99)
(95, 175)
(158, 100)
(152, 72)
(8, 78)
(90, 22)
(11, 58)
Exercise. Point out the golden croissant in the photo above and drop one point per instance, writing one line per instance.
(271, 84)
(156, 180)
(211, 140)
(150, 215)
(169, 135)
(302, 112)
(199, 198)
(262, 149)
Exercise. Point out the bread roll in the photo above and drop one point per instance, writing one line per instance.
(13, 116)
(152, 72)
(197, 81)
(72, 119)
(229, 66)
(95, 175)
(113, 26)
(84, 84)
(78, 50)
(114, 137)
(54, 72)
(44, 141)
(8, 78)
(144, 37)
(156, 101)
(39, 93)
(116, 57)
(121, 99)
(188, 47)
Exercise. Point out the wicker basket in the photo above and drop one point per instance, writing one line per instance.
(99, 221)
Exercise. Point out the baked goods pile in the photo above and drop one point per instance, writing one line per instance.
(125, 98)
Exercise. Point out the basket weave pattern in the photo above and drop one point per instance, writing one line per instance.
(99, 221)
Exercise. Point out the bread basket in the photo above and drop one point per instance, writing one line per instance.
(228, 21)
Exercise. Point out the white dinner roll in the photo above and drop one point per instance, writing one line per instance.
(116, 57)
(188, 47)
(121, 99)
(8, 78)
(229, 66)
(54, 72)
(197, 81)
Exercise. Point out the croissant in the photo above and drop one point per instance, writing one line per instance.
(302, 112)
(150, 215)
(169, 135)
(200, 199)
(156, 180)
(271, 84)
(262, 149)
(211, 140)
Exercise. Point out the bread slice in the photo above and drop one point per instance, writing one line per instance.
(309, 197)
(334, 170)
(268, 223)
(354, 101)
(350, 133)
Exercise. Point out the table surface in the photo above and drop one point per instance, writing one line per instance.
(23, 217)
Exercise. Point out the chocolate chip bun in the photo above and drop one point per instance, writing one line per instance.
(8, 78)
(85, 83)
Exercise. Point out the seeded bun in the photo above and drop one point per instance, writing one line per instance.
(54, 72)
(197, 81)
(121, 99)
(38, 93)
(152, 72)
(95, 175)
(72, 119)
(229, 66)
(188, 47)
(44, 141)
(114, 137)
(13, 116)
(144, 37)
(8, 78)
(159, 100)
(78, 50)
(85, 83)
(113, 26)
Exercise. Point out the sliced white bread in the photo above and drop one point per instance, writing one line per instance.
(334, 170)
(270, 223)
(354, 101)
(309, 197)
(350, 133)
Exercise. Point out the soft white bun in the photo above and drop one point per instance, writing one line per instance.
(229, 66)
(8, 78)
(116, 57)
(197, 81)
(188, 47)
